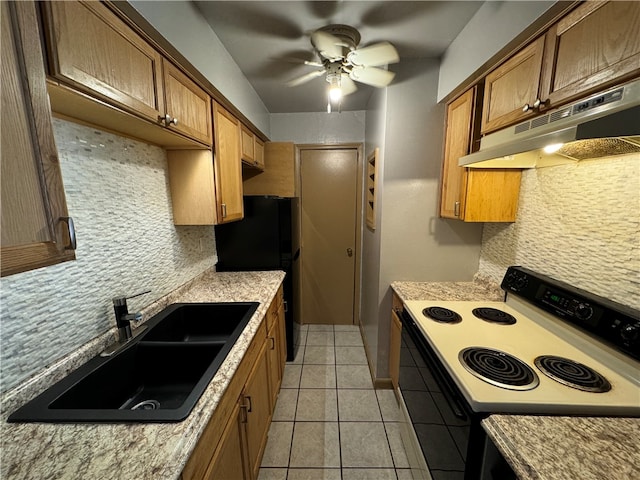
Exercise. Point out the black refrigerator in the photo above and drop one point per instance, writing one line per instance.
(265, 239)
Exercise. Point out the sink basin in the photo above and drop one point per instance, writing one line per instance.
(199, 322)
(158, 377)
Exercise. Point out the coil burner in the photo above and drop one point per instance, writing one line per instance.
(498, 368)
(573, 374)
(442, 315)
(494, 315)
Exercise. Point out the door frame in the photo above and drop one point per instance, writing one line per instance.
(358, 148)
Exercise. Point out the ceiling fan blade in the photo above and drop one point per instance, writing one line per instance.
(376, 77)
(305, 78)
(382, 53)
(347, 85)
(328, 45)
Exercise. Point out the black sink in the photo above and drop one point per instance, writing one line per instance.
(199, 322)
(158, 377)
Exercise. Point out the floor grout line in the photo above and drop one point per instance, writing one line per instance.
(337, 390)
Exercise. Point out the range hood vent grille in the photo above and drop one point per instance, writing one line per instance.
(600, 147)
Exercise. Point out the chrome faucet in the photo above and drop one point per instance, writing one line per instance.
(124, 318)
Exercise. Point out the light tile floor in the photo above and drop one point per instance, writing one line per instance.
(329, 422)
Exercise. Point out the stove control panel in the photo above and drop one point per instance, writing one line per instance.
(610, 321)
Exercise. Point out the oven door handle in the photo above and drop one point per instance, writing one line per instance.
(447, 390)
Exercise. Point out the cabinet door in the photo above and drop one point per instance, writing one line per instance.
(595, 46)
(247, 140)
(191, 182)
(96, 52)
(282, 337)
(258, 149)
(394, 349)
(228, 166)
(256, 402)
(492, 195)
(229, 461)
(278, 177)
(459, 129)
(34, 232)
(512, 89)
(187, 105)
(275, 373)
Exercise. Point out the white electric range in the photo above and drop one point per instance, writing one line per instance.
(548, 349)
(609, 385)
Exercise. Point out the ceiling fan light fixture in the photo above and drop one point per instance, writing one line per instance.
(335, 88)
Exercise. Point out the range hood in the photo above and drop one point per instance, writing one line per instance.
(598, 126)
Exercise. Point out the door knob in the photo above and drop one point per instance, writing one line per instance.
(349, 252)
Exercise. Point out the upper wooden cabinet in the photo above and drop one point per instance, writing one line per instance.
(512, 89)
(592, 48)
(192, 185)
(188, 105)
(278, 177)
(258, 150)
(595, 46)
(93, 51)
(227, 165)
(252, 148)
(36, 229)
(472, 194)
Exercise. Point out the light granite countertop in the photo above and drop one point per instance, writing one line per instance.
(153, 451)
(546, 447)
(478, 289)
(568, 448)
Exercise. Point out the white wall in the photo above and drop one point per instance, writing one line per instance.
(493, 26)
(118, 195)
(370, 279)
(182, 24)
(415, 244)
(319, 127)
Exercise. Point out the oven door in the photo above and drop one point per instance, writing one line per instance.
(439, 414)
(451, 437)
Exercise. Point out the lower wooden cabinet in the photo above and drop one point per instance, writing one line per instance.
(276, 345)
(232, 444)
(395, 341)
(230, 459)
(257, 403)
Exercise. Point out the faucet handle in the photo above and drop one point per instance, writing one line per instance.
(120, 301)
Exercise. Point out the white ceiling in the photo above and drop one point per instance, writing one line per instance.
(263, 37)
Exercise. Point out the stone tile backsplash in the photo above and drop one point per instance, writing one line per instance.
(578, 223)
(118, 195)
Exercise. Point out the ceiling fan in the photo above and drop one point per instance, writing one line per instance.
(343, 63)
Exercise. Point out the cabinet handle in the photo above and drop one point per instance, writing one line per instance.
(71, 230)
(456, 209)
(273, 343)
(223, 206)
(249, 407)
(167, 120)
(349, 252)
